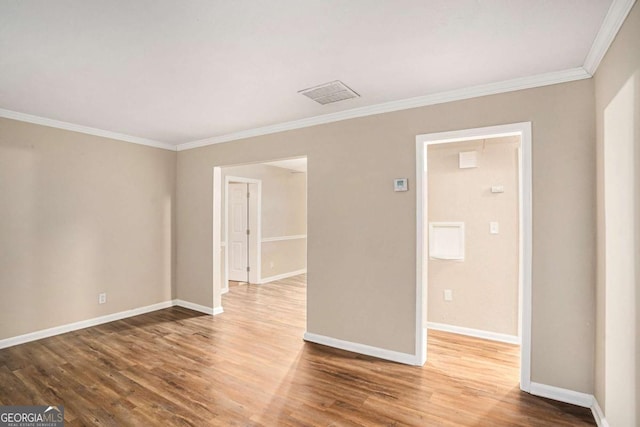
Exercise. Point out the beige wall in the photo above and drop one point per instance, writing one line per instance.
(485, 283)
(81, 215)
(283, 257)
(362, 234)
(284, 213)
(617, 84)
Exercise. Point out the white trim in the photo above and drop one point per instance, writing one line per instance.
(472, 134)
(477, 333)
(216, 223)
(562, 395)
(525, 277)
(505, 86)
(538, 80)
(264, 280)
(520, 241)
(197, 307)
(422, 244)
(46, 333)
(381, 353)
(611, 24)
(14, 115)
(256, 265)
(281, 238)
(598, 415)
(526, 234)
(63, 329)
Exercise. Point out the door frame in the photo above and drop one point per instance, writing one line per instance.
(523, 130)
(255, 256)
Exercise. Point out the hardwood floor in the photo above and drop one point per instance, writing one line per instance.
(233, 283)
(250, 367)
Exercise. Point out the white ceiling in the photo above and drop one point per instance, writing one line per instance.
(181, 71)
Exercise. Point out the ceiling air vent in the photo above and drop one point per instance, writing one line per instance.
(329, 92)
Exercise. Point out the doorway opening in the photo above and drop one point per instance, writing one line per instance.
(259, 223)
(443, 230)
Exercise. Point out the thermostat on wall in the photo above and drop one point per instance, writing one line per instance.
(400, 184)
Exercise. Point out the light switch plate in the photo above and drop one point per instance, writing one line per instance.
(494, 227)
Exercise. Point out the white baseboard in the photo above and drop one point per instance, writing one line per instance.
(598, 415)
(264, 280)
(381, 353)
(562, 395)
(46, 333)
(477, 333)
(193, 306)
(197, 307)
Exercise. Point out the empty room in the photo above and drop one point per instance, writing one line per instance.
(320, 213)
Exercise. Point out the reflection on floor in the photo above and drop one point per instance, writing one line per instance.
(249, 366)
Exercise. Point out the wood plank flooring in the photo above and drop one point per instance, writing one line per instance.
(250, 367)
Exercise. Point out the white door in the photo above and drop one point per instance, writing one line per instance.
(238, 260)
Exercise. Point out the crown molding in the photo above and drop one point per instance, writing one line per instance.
(387, 107)
(14, 115)
(612, 23)
(614, 19)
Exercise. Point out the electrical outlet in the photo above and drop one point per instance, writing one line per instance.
(102, 298)
(448, 295)
(271, 264)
